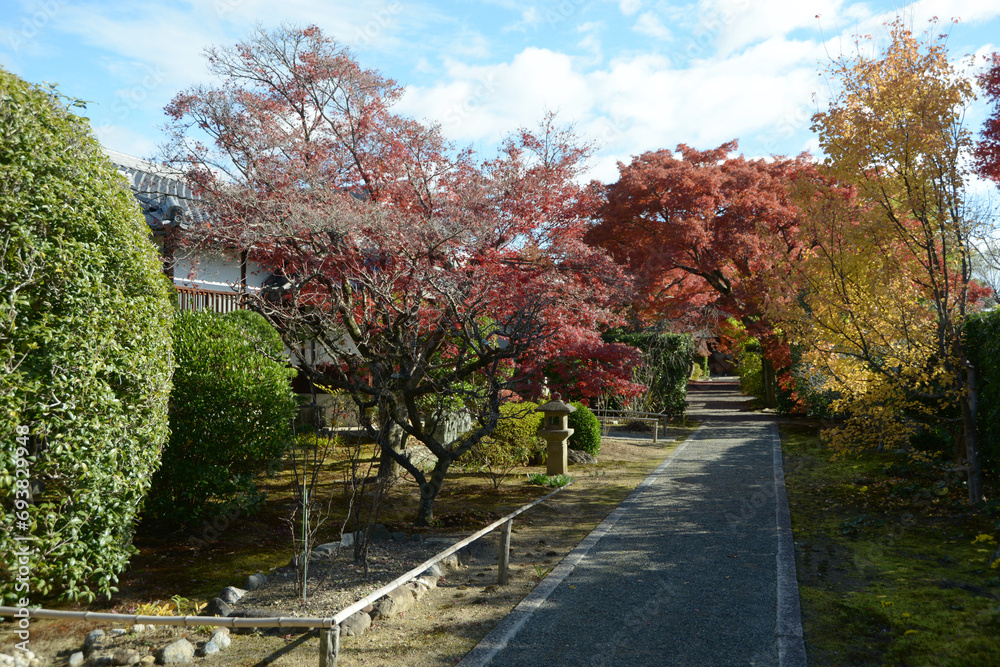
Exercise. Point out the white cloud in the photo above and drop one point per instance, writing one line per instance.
(734, 24)
(629, 7)
(649, 24)
(635, 103)
(487, 102)
(125, 140)
(969, 11)
(530, 18)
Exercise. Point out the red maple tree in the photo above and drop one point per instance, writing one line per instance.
(431, 285)
(987, 151)
(700, 229)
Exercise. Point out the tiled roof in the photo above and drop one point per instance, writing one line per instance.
(165, 197)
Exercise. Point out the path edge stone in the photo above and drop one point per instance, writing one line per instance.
(788, 621)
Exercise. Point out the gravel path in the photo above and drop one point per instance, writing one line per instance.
(694, 568)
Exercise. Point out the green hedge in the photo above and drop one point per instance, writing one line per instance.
(750, 368)
(231, 411)
(586, 430)
(85, 351)
(982, 338)
(513, 442)
(670, 355)
(518, 426)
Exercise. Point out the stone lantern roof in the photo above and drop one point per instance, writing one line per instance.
(556, 406)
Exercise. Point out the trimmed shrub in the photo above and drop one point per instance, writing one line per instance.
(231, 411)
(667, 360)
(513, 442)
(85, 351)
(586, 430)
(518, 426)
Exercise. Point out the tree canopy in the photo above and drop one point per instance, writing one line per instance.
(429, 283)
(700, 229)
(886, 282)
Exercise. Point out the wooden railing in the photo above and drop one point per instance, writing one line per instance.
(610, 417)
(329, 627)
(193, 298)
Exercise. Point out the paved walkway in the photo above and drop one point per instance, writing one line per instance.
(694, 568)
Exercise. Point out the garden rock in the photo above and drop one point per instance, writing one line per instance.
(210, 648)
(231, 594)
(428, 580)
(255, 581)
(117, 632)
(418, 588)
(217, 607)
(380, 534)
(579, 457)
(450, 562)
(434, 570)
(398, 537)
(147, 660)
(178, 652)
(92, 642)
(139, 627)
(221, 638)
(125, 656)
(355, 624)
(395, 602)
(76, 659)
(327, 549)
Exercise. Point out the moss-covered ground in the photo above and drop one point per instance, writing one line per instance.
(893, 566)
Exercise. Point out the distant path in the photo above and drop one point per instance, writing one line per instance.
(694, 568)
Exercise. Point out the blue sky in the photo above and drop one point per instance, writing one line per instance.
(633, 75)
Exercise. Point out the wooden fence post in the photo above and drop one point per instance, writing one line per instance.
(504, 560)
(329, 646)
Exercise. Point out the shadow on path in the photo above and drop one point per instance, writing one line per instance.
(683, 572)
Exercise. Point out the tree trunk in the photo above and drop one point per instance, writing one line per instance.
(388, 468)
(969, 408)
(769, 382)
(429, 490)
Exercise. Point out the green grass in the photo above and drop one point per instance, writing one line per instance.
(889, 569)
(555, 481)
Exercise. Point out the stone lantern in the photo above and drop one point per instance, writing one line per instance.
(556, 431)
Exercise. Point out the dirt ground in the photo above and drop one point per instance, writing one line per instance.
(448, 621)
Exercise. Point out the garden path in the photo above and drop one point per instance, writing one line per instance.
(696, 567)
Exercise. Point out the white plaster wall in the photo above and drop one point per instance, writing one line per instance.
(215, 271)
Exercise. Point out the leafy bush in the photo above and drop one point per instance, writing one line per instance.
(518, 426)
(586, 430)
(85, 358)
(513, 442)
(665, 369)
(750, 367)
(230, 414)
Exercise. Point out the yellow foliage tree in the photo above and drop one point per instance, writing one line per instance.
(886, 281)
